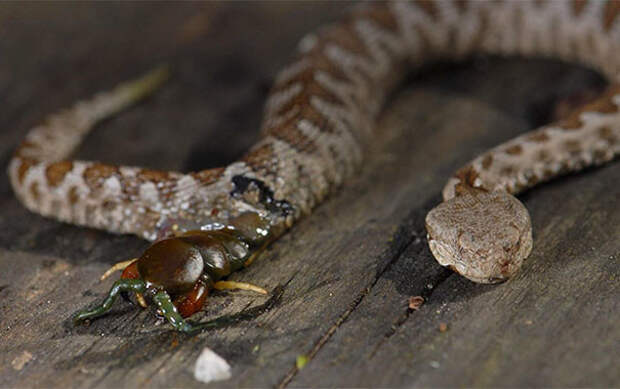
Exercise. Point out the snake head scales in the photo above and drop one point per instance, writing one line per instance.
(484, 236)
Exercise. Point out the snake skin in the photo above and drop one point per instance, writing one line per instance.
(320, 115)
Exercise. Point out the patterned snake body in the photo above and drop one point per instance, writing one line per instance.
(319, 118)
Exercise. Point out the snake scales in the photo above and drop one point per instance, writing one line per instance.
(319, 117)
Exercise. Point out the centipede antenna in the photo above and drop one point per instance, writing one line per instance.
(122, 285)
(117, 266)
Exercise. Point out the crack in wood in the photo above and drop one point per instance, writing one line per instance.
(426, 294)
(403, 238)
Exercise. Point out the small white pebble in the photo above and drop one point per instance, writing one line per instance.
(211, 367)
(434, 364)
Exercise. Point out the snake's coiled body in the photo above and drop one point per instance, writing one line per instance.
(320, 116)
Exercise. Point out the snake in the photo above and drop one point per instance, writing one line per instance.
(319, 119)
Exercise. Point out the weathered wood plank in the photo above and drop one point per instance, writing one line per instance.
(347, 271)
(550, 326)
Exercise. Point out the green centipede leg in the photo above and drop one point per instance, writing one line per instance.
(122, 285)
(169, 311)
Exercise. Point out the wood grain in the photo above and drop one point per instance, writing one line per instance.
(347, 272)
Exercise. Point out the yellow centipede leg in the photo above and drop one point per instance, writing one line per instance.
(229, 285)
(117, 266)
(140, 299)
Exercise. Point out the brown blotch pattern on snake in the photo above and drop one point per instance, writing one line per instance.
(97, 173)
(55, 173)
(612, 10)
(514, 150)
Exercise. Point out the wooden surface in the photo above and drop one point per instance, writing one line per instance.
(341, 279)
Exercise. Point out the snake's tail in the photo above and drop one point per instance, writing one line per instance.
(63, 132)
(320, 116)
(84, 192)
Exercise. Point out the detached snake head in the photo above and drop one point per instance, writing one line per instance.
(484, 236)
